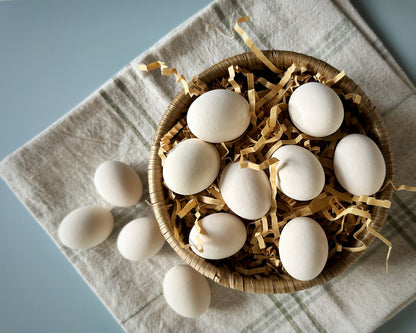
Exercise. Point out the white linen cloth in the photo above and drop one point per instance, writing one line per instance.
(52, 174)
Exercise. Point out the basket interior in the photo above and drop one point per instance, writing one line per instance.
(271, 284)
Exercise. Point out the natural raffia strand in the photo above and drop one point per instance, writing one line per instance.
(272, 283)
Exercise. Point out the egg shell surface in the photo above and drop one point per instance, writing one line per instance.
(359, 165)
(218, 115)
(86, 227)
(246, 192)
(118, 183)
(299, 173)
(315, 109)
(191, 166)
(222, 235)
(303, 248)
(140, 239)
(186, 291)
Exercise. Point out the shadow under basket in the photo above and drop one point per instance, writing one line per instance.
(272, 284)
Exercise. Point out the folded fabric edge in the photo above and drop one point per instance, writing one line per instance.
(354, 16)
(410, 300)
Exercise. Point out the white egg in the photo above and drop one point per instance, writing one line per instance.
(191, 167)
(218, 115)
(140, 239)
(359, 165)
(315, 109)
(118, 183)
(303, 248)
(186, 291)
(86, 227)
(222, 235)
(299, 173)
(246, 192)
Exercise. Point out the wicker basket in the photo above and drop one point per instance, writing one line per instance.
(177, 108)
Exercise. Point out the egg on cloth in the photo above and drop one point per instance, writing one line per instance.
(222, 235)
(359, 165)
(315, 109)
(86, 227)
(191, 166)
(140, 239)
(118, 183)
(303, 248)
(246, 192)
(300, 175)
(218, 115)
(186, 291)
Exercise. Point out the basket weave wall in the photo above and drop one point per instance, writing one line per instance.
(272, 284)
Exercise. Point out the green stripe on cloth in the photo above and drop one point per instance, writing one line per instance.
(405, 208)
(125, 90)
(402, 232)
(254, 323)
(396, 104)
(224, 22)
(311, 317)
(123, 116)
(335, 33)
(285, 313)
(338, 44)
(291, 307)
(139, 309)
(241, 12)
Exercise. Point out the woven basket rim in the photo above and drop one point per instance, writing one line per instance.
(270, 284)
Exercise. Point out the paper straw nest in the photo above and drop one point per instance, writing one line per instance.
(351, 223)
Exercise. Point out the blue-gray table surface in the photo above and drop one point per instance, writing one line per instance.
(53, 54)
